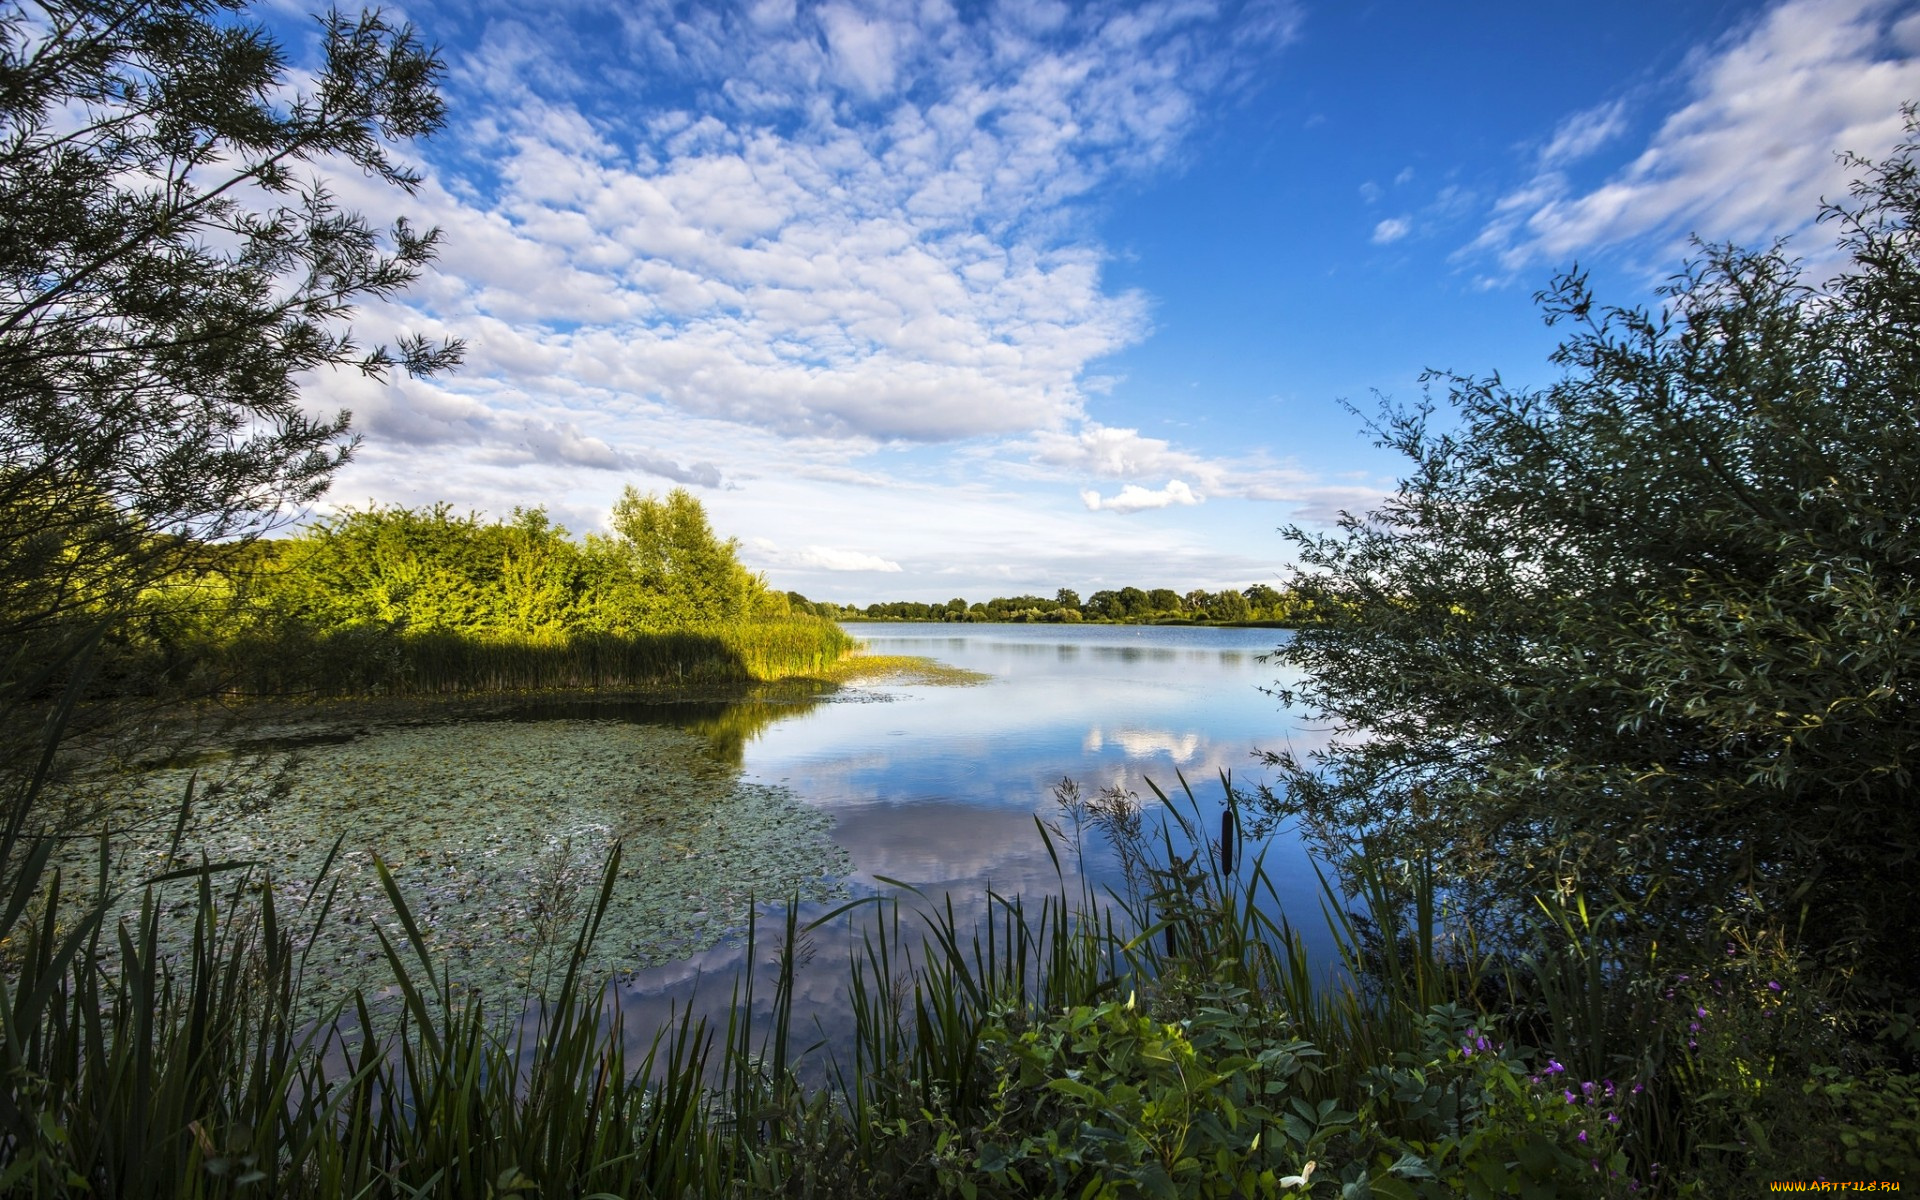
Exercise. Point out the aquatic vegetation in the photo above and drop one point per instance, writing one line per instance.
(1178, 1043)
(907, 669)
(495, 830)
(292, 658)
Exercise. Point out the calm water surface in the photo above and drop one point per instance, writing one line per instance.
(938, 786)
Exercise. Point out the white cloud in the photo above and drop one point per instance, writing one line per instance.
(1315, 503)
(1110, 452)
(771, 289)
(1391, 230)
(864, 48)
(818, 558)
(1134, 498)
(420, 414)
(1584, 132)
(1751, 152)
(875, 240)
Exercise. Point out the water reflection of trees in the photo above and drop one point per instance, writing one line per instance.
(727, 725)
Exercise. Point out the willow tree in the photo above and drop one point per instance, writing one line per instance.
(174, 264)
(1654, 631)
(669, 569)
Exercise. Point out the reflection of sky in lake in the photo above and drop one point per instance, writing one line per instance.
(922, 786)
(938, 786)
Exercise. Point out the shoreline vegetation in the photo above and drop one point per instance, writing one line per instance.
(1201, 623)
(398, 601)
(1176, 1041)
(1617, 818)
(420, 603)
(1171, 1038)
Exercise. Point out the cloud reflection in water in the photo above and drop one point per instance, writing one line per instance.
(939, 788)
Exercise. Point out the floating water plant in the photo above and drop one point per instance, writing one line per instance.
(496, 830)
(904, 669)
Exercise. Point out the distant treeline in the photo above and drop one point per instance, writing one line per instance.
(422, 600)
(1127, 604)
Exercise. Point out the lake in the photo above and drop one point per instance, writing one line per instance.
(938, 786)
(495, 828)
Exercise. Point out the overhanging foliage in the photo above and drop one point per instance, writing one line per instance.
(1651, 630)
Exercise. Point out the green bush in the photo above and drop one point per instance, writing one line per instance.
(1105, 1101)
(1651, 630)
(1467, 1117)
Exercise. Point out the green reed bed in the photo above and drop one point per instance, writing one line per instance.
(1058, 1046)
(1167, 1038)
(372, 659)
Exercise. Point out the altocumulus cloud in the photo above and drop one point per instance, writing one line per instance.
(849, 221)
(420, 414)
(1391, 230)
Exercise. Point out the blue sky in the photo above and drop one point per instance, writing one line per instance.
(927, 300)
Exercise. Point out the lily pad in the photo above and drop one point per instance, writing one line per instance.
(497, 833)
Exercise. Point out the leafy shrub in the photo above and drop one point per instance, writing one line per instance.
(1468, 1118)
(1106, 1101)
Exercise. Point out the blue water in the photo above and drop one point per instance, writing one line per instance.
(938, 787)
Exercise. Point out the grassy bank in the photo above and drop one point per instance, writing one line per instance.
(901, 669)
(423, 602)
(384, 661)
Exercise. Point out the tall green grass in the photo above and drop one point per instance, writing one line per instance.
(360, 660)
(130, 1075)
(1168, 1037)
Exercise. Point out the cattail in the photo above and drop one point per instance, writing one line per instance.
(1226, 841)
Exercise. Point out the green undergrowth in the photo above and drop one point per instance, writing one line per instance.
(1170, 1038)
(293, 659)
